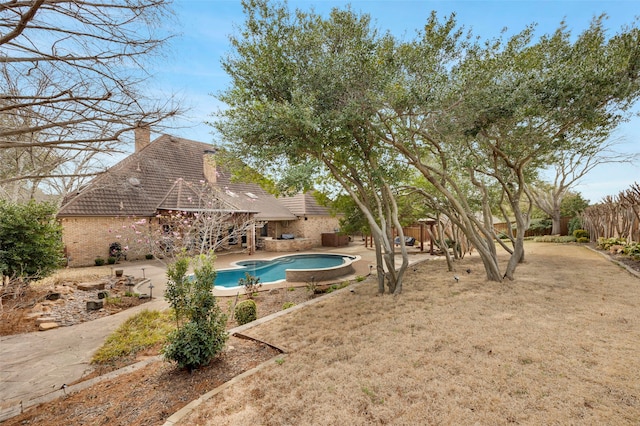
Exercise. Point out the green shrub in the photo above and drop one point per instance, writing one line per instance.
(288, 305)
(250, 283)
(148, 256)
(582, 240)
(555, 239)
(201, 326)
(540, 226)
(30, 240)
(580, 233)
(632, 249)
(246, 311)
(111, 260)
(195, 344)
(98, 261)
(606, 243)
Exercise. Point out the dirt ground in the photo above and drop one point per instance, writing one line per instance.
(556, 346)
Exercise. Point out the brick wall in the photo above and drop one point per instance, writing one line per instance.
(312, 228)
(86, 238)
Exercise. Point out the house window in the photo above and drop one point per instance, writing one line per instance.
(264, 232)
(233, 238)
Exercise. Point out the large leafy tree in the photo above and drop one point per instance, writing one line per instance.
(73, 78)
(493, 114)
(305, 87)
(477, 120)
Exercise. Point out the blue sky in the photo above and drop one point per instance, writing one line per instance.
(192, 70)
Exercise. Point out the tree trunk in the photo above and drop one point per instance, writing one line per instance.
(556, 222)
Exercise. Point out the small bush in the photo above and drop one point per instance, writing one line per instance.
(194, 344)
(246, 311)
(580, 233)
(555, 239)
(360, 278)
(201, 326)
(312, 286)
(540, 226)
(251, 284)
(288, 305)
(607, 243)
(632, 249)
(582, 240)
(113, 300)
(148, 256)
(98, 261)
(111, 260)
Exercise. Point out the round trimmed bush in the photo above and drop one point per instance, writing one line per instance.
(580, 233)
(246, 311)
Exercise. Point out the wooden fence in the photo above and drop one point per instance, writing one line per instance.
(564, 229)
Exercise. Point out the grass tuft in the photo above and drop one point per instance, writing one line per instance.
(141, 331)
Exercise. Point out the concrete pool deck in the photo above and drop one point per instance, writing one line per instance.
(35, 366)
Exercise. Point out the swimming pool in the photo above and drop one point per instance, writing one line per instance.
(298, 267)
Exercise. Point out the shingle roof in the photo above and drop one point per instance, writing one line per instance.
(146, 181)
(304, 204)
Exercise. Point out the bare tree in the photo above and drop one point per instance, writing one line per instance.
(202, 222)
(569, 168)
(72, 75)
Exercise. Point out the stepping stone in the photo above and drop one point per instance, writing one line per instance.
(91, 286)
(48, 326)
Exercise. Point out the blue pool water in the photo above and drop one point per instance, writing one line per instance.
(274, 270)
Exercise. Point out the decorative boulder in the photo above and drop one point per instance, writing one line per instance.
(94, 305)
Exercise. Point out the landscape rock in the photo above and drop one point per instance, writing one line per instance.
(48, 326)
(44, 320)
(99, 285)
(94, 305)
(53, 296)
(64, 289)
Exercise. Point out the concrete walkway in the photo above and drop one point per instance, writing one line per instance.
(34, 365)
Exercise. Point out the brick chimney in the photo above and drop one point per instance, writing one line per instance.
(209, 166)
(142, 135)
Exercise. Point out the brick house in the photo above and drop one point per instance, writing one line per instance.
(166, 176)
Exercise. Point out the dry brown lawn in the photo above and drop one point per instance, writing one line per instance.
(559, 345)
